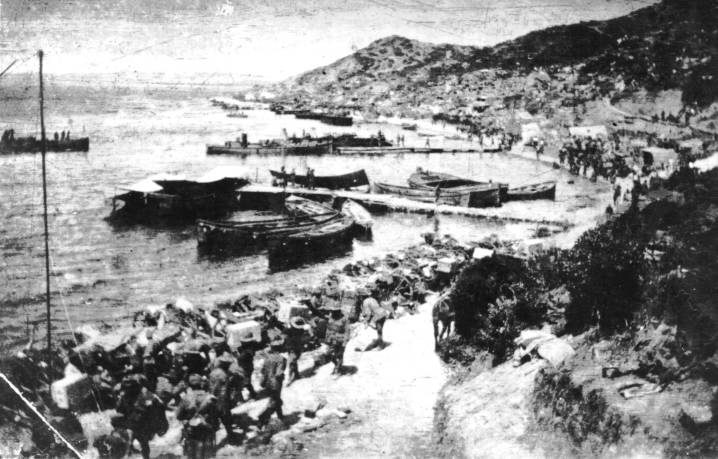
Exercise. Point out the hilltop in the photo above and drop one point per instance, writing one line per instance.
(672, 45)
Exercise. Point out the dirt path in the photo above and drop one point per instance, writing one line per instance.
(391, 395)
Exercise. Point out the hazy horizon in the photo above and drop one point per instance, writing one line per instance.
(235, 42)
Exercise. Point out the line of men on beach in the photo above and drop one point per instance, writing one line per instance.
(202, 378)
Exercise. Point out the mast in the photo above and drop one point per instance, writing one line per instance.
(43, 149)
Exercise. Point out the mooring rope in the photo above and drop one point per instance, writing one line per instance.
(42, 418)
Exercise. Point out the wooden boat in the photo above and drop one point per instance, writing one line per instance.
(14, 145)
(332, 182)
(362, 218)
(235, 237)
(429, 180)
(299, 206)
(336, 120)
(308, 115)
(470, 196)
(157, 200)
(320, 241)
(237, 115)
(409, 127)
(271, 148)
(543, 190)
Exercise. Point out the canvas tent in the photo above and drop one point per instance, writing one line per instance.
(588, 131)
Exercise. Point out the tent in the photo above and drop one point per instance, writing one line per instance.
(588, 131)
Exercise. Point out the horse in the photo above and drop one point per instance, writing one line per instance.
(442, 312)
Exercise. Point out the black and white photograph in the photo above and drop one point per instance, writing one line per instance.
(358, 229)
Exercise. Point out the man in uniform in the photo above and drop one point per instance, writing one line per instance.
(374, 315)
(139, 412)
(243, 368)
(199, 415)
(272, 381)
(337, 336)
(221, 390)
(195, 353)
(294, 338)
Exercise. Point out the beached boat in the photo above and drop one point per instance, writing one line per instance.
(409, 127)
(324, 240)
(429, 180)
(13, 145)
(543, 190)
(470, 196)
(237, 115)
(362, 218)
(241, 236)
(169, 198)
(332, 182)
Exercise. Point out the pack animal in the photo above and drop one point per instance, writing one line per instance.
(442, 314)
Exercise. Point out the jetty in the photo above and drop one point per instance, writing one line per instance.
(264, 197)
(381, 151)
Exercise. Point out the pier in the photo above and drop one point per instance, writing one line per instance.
(264, 197)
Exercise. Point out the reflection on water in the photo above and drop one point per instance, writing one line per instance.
(102, 272)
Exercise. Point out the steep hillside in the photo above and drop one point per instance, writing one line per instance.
(673, 44)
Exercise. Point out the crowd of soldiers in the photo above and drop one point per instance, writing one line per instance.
(582, 154)
(188, 360)
(200, 376)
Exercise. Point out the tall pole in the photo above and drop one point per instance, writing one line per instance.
(43, 150)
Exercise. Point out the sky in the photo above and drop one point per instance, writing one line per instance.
(229, 41)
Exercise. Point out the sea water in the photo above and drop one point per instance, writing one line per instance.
(105, 273)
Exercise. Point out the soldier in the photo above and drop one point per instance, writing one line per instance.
(221, 390)
(195, 353)
(141, 413)
(294, 338)
(337, 337)
(272, 381)
(283, 171)
(244, 367)
(374, 315)
(199, 415)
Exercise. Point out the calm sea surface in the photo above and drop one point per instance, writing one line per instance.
(101, 273)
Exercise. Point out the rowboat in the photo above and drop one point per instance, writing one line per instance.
(543, 190)
(409, 126)
(299, 206)
(321, 241)
(362, 218)
(235, 237)
(430, 180)
(469, 196)
(332, 182)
